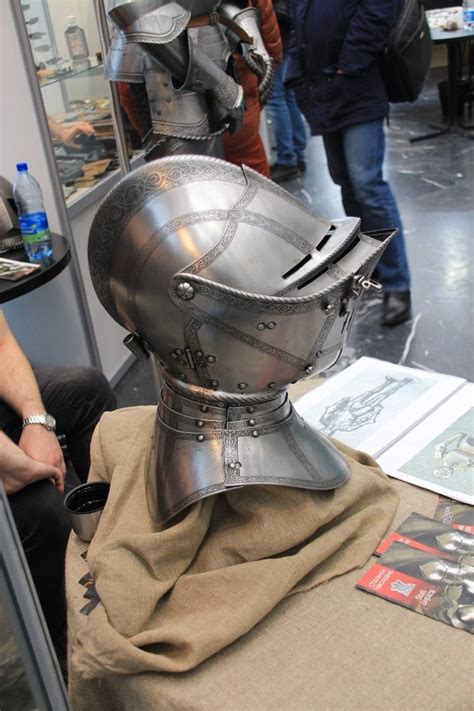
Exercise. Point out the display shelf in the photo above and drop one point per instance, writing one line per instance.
(95, 69)
(67, 51)
(84, 197)
(56, 109)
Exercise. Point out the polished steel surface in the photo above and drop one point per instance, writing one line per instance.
(201, 449)
(84, 505)
(125, 62)
(237, 290)
(191, 94)
(255, 55)
(150, 20)
(10, 237)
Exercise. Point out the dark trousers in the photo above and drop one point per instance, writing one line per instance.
(76, 397)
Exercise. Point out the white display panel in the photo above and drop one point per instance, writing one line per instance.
(439, 453)
(373, 403)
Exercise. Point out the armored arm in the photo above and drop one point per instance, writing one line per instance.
(193, 69)
(161, 32)
(256, 55)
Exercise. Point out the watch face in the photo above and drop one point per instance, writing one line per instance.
(50, 421)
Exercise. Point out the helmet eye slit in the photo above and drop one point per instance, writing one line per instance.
(340, 256)
(297, 266)
(322, 242)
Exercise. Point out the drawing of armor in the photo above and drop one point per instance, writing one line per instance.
(177, 57)
(352, 413)
(456, 453)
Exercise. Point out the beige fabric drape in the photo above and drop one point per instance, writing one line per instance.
(173, 597)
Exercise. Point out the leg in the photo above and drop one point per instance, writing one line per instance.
(44, 528)
(364, 148)
(338, 170)
(76, 397)
(297, 125)
(280, 114)
(10, 423)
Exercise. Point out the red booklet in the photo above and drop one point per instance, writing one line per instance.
(428, 534)
(455, 514)
(426, 582)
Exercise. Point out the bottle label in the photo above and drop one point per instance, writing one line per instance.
(34, 227)
(76, 45)
(469, 16)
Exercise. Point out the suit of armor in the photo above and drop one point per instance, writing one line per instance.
(177, 57)
(237, 290)
(456, 453)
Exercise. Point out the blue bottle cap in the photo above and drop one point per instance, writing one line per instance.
(21, 166)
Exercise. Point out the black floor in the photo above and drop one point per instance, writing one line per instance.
(433, 182)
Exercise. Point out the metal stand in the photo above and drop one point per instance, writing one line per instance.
(454, 124)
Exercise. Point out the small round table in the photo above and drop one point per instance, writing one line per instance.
(454, 41)
(61, 257)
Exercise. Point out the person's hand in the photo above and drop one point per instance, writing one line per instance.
(23, 470)
(42, 445)
(69, 132)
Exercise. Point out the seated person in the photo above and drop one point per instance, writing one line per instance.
(32, 466)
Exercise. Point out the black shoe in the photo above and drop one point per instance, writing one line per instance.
(281, 173)
(302, 165)
(396, 307)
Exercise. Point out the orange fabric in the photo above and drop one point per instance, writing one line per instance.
(246, 146)
(126, 102)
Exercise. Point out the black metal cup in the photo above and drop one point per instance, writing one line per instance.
(84, 505)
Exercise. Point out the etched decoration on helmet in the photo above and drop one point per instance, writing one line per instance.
(237, 290)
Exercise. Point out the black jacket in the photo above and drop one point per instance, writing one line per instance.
(344, 35)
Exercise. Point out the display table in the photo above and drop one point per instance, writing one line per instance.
(455, 42)
(61, 257)
(333, 648)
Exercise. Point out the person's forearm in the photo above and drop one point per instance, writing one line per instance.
(18, 386)
(55, 128)
(18, 470)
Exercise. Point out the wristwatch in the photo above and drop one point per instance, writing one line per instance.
(47, 421)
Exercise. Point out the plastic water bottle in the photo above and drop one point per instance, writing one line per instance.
(32, 216)
(468, 14)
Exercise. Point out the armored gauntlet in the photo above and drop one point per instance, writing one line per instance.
(255, 54)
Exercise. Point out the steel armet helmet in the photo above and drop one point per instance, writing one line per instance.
(237, 290)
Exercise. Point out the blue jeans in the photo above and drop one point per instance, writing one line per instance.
(355, 160)
(290, 133)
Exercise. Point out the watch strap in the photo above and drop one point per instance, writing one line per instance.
(38, 420)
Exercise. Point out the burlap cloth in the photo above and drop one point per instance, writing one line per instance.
(171, 598)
